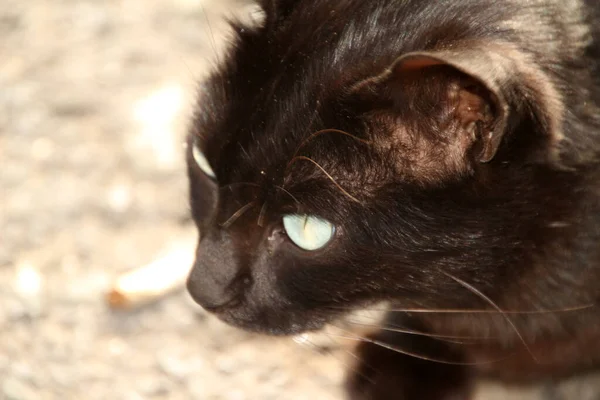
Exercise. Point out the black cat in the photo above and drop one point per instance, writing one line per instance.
(441, 155)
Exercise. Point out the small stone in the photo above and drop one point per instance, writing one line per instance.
(62, 376)
(226, 364)
(15, 389)
(28, 281)
(27, 287)
(42, 149)
(22, 371)
(133, 396)
(280, 379)
(117, 347)
(4, 363)
(173, 366)
(235, 395)
(153, 386)
(119, 198)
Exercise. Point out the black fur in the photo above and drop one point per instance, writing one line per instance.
(470, 161)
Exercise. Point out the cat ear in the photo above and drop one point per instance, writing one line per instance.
(485, 87)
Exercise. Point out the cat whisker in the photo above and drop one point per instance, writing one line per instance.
(330, 130)
(352, 336)
(418, 333)
(357, 358)
(475, 291)
(304, 340)
(488, 311)
(326, 174)
(315, 113)
(471, 311)
(238, 214)
(194, 77)
(261, 215)
(229, 185)
(244, 151)
(457, 341)
(287, 192)
(212, 41)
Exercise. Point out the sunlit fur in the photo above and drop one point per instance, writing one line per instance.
(453, 144)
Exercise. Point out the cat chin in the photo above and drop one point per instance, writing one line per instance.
(272, 324)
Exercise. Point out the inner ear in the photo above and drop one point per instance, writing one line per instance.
(455, 96)
(442, 85)
(472, 105)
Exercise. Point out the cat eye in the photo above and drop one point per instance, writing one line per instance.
(308, 231)
(202, 162)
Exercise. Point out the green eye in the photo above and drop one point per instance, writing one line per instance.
(202, 162)
(307, 231)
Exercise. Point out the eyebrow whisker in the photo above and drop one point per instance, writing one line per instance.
(326, 174)
(261, 215)
(238, 214)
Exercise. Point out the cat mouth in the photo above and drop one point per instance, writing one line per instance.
(271, 322)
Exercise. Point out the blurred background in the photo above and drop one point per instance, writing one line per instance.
(94, 102)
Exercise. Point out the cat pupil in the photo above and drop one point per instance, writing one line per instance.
(308, 232)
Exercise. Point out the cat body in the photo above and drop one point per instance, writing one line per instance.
(444, 158)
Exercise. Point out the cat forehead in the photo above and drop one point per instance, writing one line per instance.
(281, 84)
(323, 46)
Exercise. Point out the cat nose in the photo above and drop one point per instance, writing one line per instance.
(212, 294)
(216, 280)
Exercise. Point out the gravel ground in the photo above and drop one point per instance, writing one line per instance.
(94, 99)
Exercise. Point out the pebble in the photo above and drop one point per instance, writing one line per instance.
(235, 395)
(226, 364)
(119, 197)
(117, 347)
(27, 288)
(153, 386)
(174, 366)
(15, 389)
(42, 149)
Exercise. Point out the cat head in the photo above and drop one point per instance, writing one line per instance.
(332, 164)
